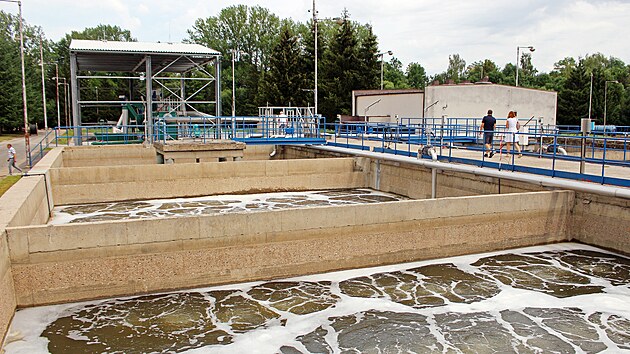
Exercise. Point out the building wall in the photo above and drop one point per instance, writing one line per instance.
(465, 101)
(405, 105)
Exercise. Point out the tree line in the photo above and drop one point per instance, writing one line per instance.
(274, 66)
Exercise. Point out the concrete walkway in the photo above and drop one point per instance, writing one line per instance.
(529, 159)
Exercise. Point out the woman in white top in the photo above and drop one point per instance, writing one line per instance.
(512, 126)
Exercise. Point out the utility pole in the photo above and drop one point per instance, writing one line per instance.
(41, 61)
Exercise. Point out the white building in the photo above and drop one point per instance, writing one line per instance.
(455, 101)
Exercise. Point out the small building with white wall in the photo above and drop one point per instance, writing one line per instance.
(384, 105)
(455, 101)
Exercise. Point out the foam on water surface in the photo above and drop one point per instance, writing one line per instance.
(216, 204)
(563, 298)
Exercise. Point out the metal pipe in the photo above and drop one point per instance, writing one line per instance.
(478, 171)
(433, 183)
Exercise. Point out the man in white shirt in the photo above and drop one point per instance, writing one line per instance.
(11, 160)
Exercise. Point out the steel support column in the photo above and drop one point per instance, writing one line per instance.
(148, 118)
(217, 76)
(76, 110)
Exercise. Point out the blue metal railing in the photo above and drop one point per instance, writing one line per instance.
(454, 134)
(253, 130)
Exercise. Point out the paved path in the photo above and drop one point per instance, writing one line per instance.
(531, 160)
(18, 145)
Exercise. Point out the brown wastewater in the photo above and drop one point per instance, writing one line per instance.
(563, 298)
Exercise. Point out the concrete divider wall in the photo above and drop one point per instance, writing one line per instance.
(108, 155)
(7, 292)
(102, 184)
(25, 203)
(84, 261)
(258, 152)
(601, 221)
(415, 181)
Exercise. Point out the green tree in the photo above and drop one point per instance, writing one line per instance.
(341, 71)
(251, 30)
(394, 77)
(106, 89)
(478, 70)
(307, 34)
(11, 101)
(573, 98)
(284, 81)
(370, 67)
(416, 76)
(456, 67)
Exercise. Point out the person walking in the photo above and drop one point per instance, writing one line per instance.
(11, 160)
(487, 126)
(512, 126)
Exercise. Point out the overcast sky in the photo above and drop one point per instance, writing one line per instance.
(423, 31)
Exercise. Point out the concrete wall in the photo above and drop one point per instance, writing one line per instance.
(25, 203)
(601, 221)
(258, 152)
(133, 154)
(7, 292)
(415, 181)
(475, 100)
(405, 105)
(102, 184)
(108, 155)
(84, 261)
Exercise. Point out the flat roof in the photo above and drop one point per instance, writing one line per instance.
(358, 93)
(129, 56)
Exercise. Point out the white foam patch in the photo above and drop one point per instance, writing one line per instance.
(234, 203)
(614, 300)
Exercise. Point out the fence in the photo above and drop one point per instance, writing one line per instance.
(460, 140)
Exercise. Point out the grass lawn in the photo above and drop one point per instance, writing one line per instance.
(5, 137)
(7, 182)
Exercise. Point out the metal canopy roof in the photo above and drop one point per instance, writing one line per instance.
(129, 56)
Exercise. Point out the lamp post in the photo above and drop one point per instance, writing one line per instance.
(97, 115)
(65, 96)
(606, 100)
(381, 55)
(315, 30)
(518, 58)
(26, 134)
(57, 89)
(41, 61)
(234, 52)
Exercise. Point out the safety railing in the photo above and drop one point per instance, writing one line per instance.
(595, 158)
(254, 130)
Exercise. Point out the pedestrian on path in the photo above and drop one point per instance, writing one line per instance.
(512, 126)
(487, 126)
(11, 160)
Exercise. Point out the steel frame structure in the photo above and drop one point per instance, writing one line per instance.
(155, 63)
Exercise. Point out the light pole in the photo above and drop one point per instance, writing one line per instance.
(41, 60)
(65, 97)
(233, 51)
(518, 58)
(590, 98)
(381, 55)
(26, 135)
(605, 100)
(57, 89)
(97, 115)
(315, 30)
